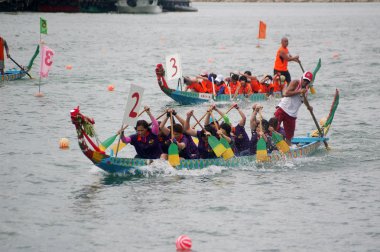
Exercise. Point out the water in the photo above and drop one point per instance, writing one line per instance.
(57, 200)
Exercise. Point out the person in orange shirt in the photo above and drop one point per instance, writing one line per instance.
(265, 84)
(282, 58)
(233, 84)
(278, 83)
(206, 82)
(3, 45)
(252, 80)
(244, 88)
(193, 85)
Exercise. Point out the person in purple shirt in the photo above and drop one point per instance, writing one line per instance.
(186, 146)
(239, 134)
(145, 140)
(204, 149)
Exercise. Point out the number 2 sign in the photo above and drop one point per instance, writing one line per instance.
(133, 105)
(173, 67)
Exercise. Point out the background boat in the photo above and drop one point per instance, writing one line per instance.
(138, 6)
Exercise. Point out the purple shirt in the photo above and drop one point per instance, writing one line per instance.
(241, 138)
(164, 143)
(205, 150)
(192, 147)
(146, 147)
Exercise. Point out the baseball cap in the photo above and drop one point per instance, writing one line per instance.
(307, 76)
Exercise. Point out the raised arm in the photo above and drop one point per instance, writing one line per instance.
(155, 126)
(179, 118)
(253, 120)
(188, 130)
(242, 115)
(163, 128)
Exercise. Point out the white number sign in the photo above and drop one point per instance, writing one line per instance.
(173, 67)
(133, 104)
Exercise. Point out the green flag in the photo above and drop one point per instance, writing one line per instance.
(43, 26)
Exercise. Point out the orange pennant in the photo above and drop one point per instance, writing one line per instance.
(262, 30)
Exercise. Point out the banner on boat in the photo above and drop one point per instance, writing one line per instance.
(173, 67)
(133, 104)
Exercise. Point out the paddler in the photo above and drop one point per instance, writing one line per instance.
(282, 58)
(289, 105)
(3, 45)
(145, 140)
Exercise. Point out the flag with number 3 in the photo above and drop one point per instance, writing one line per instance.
(46, 61)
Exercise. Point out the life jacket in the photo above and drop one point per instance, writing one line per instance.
(255, 85)
(207, 86)
(197, 87)
(276, 85)
(281, 64)
(264, 88)
(233, 86)
(246, 89)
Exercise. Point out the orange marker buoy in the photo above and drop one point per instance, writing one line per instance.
(69, 67)
(39, 94)
(111, 87)
(64, 143)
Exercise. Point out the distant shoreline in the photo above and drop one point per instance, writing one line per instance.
(288, 1)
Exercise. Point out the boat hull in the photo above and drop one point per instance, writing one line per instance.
(139, 6)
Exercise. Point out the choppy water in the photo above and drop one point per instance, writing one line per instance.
(55, 200)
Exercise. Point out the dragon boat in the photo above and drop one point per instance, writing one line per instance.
(188, 98)
(16, 74)
(87, 138)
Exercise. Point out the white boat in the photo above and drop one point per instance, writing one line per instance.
(138, 6)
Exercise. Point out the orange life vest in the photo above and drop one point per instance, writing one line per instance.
(196, 86)
(246, 89)
(255, 85)
(281, 64)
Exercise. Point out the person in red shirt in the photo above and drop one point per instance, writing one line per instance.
(3, 45)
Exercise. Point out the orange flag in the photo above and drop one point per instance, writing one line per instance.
(262, 30)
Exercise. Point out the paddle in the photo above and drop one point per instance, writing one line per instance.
(173, 153)
(200, 120)
(229, 153)
(121, 144)
(261, 148)
(314, 119)
(312, 90)
(22, 69)
(214, 143)
(280, 142)
(105, 144)
(226, 112)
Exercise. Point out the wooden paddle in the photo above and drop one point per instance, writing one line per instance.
(22, 69)
(173, 153)
(110, 140)
(261, 148)
(226, 112)
(314, 119)
(216, 146)
(229, 153)
(312, 90)
(200, 120)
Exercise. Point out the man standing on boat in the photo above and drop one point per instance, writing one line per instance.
(3, 45)
(292, 100)
(282, 59)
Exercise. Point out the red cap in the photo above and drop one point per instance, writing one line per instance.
(307, 76)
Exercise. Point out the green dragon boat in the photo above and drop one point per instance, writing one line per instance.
(86, 137)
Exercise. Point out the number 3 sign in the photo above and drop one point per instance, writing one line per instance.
(133, 105)
(173, 67)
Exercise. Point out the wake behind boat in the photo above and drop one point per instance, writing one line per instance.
(305, 146)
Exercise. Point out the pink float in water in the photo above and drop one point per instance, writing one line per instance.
(183, 243)
(111, 87)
